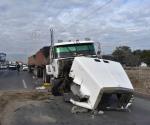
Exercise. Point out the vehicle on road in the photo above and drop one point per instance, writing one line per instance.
(73, 67)
(24, 67)
(3, 66)
(12, 66)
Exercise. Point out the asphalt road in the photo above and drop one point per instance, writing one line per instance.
(13, 80)
(57, 112)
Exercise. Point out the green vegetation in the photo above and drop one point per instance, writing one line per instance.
(126, 56)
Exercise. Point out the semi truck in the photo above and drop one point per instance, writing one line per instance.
(73, 67)
(37, 63)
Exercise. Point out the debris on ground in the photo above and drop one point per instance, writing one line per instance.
(77, 109)
(96, 112)
(100, 112)
(8, 97)
(45, 87)
(40, 88)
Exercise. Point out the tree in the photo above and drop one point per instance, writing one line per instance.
(145, 56)
(121, 53)
(124, 55)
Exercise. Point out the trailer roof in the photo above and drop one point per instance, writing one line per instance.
(71, 42)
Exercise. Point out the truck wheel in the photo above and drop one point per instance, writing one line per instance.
(46, 78)
(56, 86)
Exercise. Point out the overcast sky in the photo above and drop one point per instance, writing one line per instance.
(24, 24)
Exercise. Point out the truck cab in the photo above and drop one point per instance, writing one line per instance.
(62, 55)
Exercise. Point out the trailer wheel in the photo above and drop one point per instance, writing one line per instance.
(46, 78)
(56, 83)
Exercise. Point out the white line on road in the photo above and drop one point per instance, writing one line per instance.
(24, 84)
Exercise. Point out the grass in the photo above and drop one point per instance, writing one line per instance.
(140, 78)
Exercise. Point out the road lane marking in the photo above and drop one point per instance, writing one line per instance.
(24, 84)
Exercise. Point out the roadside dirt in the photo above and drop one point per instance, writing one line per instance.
(9, 101)
(140, 78)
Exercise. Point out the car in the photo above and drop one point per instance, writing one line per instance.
(24, 67)
(12, 67)
(3, 66)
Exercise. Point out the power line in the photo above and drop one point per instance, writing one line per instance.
(97, 9)
(84, 17)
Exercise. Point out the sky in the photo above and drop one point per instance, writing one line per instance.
(25, 24)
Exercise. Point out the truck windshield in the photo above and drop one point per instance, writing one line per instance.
(73, 50)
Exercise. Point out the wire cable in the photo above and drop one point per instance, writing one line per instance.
(97, 9)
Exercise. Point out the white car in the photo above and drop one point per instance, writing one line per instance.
(24, 68)
(12, 67)
(3, 66)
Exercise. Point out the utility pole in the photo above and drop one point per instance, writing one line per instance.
(51, 45)
(52, 37)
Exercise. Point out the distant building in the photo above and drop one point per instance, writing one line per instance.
(2, 57)
(143, 64)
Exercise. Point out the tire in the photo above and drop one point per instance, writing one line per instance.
(46, 78)
(56, 85)
(39, 72)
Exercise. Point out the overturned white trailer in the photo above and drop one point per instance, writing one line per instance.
(100, 83)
